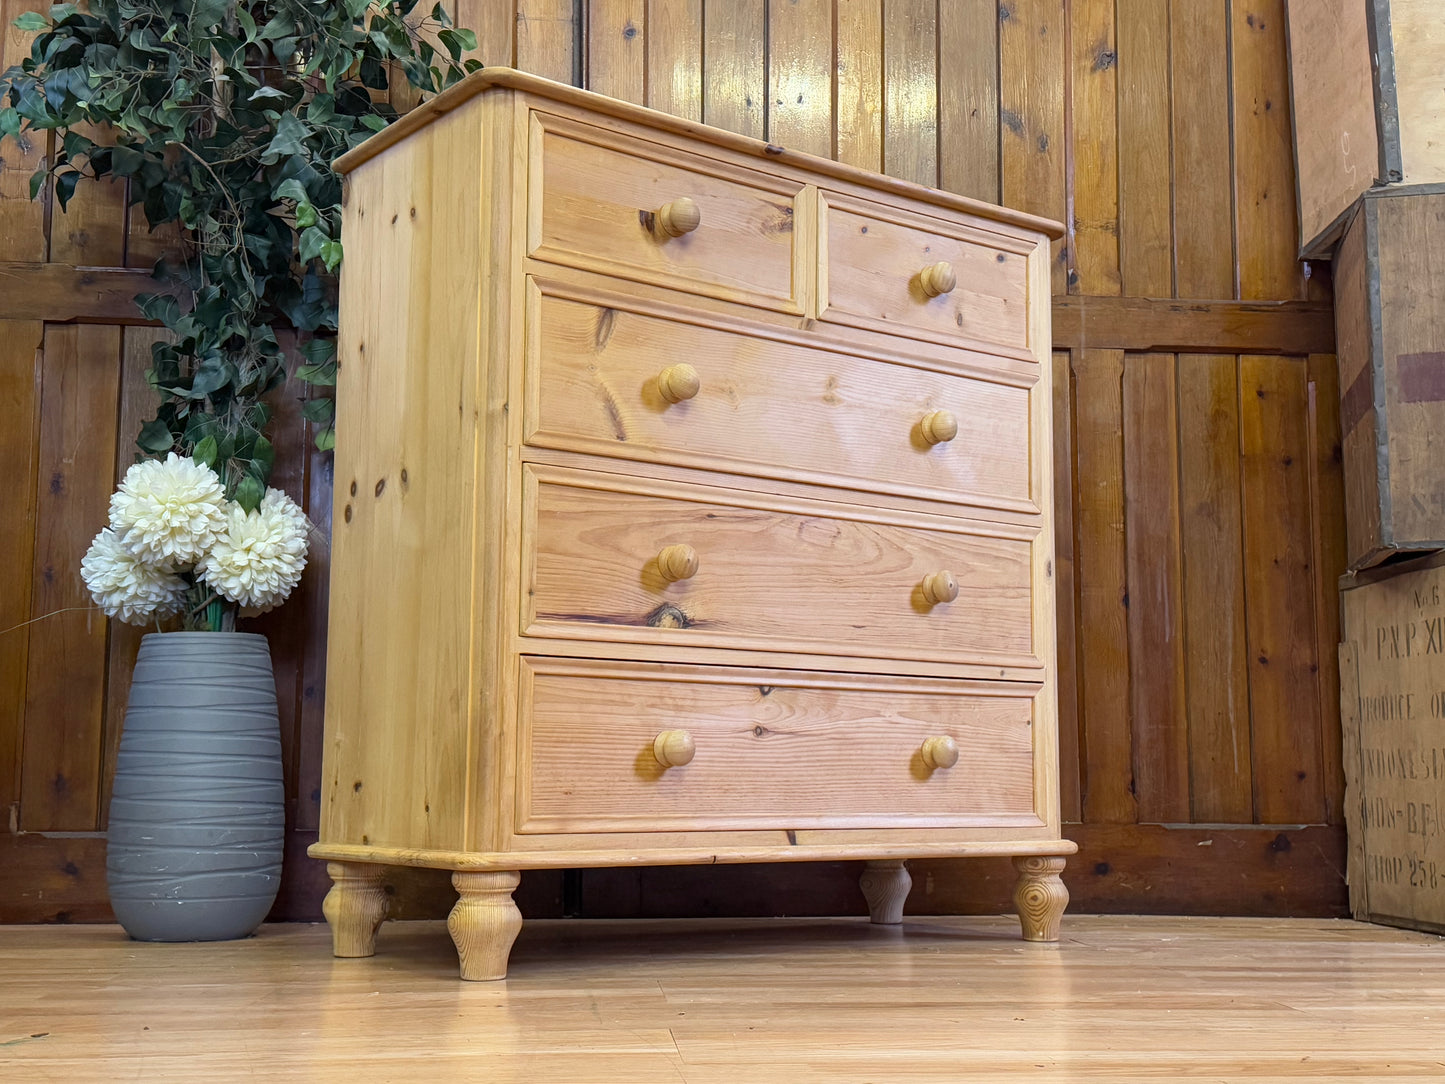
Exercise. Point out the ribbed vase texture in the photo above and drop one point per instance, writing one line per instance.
(197, 813)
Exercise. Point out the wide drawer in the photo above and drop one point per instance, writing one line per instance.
(601, 372)
(768, 749)
(610, 557)
(604, 202)
(883, 269)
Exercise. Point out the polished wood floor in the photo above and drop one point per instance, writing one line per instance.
(737, 1001)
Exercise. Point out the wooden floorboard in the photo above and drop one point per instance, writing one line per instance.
(734, 1001)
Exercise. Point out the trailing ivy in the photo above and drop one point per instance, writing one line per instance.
(224, 117)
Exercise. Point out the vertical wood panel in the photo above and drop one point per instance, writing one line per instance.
(1156, 633)
(22, 222)
(91, 231)
(910, 90)
(1203, 200)
(1100, 571)
(800, 82)
(20, 397)
(858, 93)
(617, 49)
(1215, 665)
(1266, 227)
(65, 683)
(138, 402)
(968, 150)
(1064, 585)
(547, 39)
(674, 57)
(1094, 229)
(495, 24)
(1279, 591)
(1327, 517)
(313, 600)
(1145, 228)
(734, 82)
(1031, 114)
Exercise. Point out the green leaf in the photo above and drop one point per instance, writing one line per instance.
(31, 20)
(205, 452)
(319, 351)
(37, 181)
(65, 187)
(326, 439)
(9, 122)
(263, 457)
(249, 492)
(290, 139)
(331, 254)
(155, 436)
(312, 241)
(321, 375)
(305, 216)
(319, 410)
(291, 189)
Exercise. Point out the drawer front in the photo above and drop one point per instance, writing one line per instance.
(597, 202)
(600, 378)
(769, 749)
(879, 273)
(655, 562)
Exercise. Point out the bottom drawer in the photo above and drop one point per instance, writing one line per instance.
(768, 749)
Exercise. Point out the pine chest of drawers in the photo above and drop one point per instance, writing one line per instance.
(693, 504)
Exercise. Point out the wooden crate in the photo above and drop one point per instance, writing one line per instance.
(1390, 339)
(1392, 705)
(1357, 123)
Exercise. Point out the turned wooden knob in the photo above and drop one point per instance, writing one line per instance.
(678, 382)
(939, 587)
(678, 217)
(939, 427)
(937, 278)
(678, 562)
(938, 752)
(674, 748)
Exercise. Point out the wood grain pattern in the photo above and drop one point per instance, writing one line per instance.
(1204, 240)
(1156, 593)
(1419, 47)
(1095, 176)
(617, 49)
(735, 67)
(1146, 230)
(800, 83)
(590, 572)
(1279, 600)
(592, 382)
(1264, 172)
(1216, 671)
(674, 57)
(858, 83)
(1067, 664)
(23, 222)
(548, 39)
(1327, 502)
(20, 405)
(1032, 61)
(767, 755)
(1100, 576)
(968, 111)
(65, 683)
(494, 22)
(910, 90)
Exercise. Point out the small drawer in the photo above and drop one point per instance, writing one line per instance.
(604, 202)
(609, 376)
(891, 271)
(642, 747)
(611, 557)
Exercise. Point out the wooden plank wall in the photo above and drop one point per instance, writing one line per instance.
(1197, 452)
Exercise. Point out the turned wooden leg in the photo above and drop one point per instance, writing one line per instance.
(1040, 896)
(354, 908)
(885, 885)
(485, 921)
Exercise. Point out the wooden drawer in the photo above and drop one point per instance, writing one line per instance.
(767, 403)
(770, 749)
(593, 203)
(872, 276)
(771, 573)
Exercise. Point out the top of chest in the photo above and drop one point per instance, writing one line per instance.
(757, 164)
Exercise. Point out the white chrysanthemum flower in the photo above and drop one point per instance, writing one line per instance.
(169, 513)
(258, 558)
(126, 587)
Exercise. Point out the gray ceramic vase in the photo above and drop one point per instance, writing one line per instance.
(197, 813)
